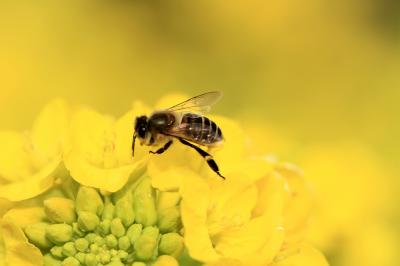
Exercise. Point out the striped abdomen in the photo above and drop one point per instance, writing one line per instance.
(200, 129)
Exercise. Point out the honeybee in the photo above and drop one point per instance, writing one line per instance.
(184, 122)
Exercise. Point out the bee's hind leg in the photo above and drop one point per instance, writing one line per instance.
(162, 149)
(209, 159)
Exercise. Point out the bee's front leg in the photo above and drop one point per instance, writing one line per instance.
(162, 149)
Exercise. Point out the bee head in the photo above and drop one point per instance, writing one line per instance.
(141, 126)
(141, 131)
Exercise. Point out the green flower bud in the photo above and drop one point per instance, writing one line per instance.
(49, 260)
(104, 227)
(124, 243)
(94, 248)
(122, 254)
(87, 221)
(124, 210)
(117, 228)
(70, 261)
(99, 240)
(108, 212)
(36, 234)
(116, 263)
(171, 244)
(57, 252)
(76, 230)
(69, 249)
(60, 210)
(81, 244)
(90, 237)
(134, 232)
(90, 260)
(169, 220)
(80, 256)
(105, 257)
(88, 199)
(59, 233)
(113, 252)
(165, 260)
(151, 231)
(146, 244)
(144, 203)
(111, 241)
(138, 263)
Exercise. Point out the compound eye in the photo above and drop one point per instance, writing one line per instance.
(142, 132)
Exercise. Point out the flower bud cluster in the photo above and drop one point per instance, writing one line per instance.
(137, 227)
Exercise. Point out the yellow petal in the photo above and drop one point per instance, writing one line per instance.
(18, 250)
(231, 206)
(108, 179)
(14, 159)
(232, 150)
(298, 205)
(257, 242)
(23, 217)
(31, 185)
(49, 131)
(2, 251)
(272, 194)
(100, 153)
(271, 247)
(301, 255)
(5, 205)
(226, 262)
(195, 200)
(89, 131)
(168, 170)
(245, 243)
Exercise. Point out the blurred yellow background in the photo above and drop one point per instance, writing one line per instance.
(314, 82)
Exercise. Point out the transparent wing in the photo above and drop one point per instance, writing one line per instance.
(199, 104)
(181, 131)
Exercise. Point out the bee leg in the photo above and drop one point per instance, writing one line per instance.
(162, 149)
(209, 159)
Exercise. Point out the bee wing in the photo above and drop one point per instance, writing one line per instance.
(199, 104)
(181, 131)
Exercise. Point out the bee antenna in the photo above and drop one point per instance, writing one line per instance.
(133, 145)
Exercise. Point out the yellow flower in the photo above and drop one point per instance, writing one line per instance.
(100, 152)
(29, 161)
(244, 221)
(112, 209)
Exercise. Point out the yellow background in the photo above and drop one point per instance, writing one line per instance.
(315, 82)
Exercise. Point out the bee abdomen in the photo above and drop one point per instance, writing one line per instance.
(201, 129)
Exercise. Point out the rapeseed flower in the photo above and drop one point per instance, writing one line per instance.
(99, 152)
(108, 208)
(248, 221)
(30, 161)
